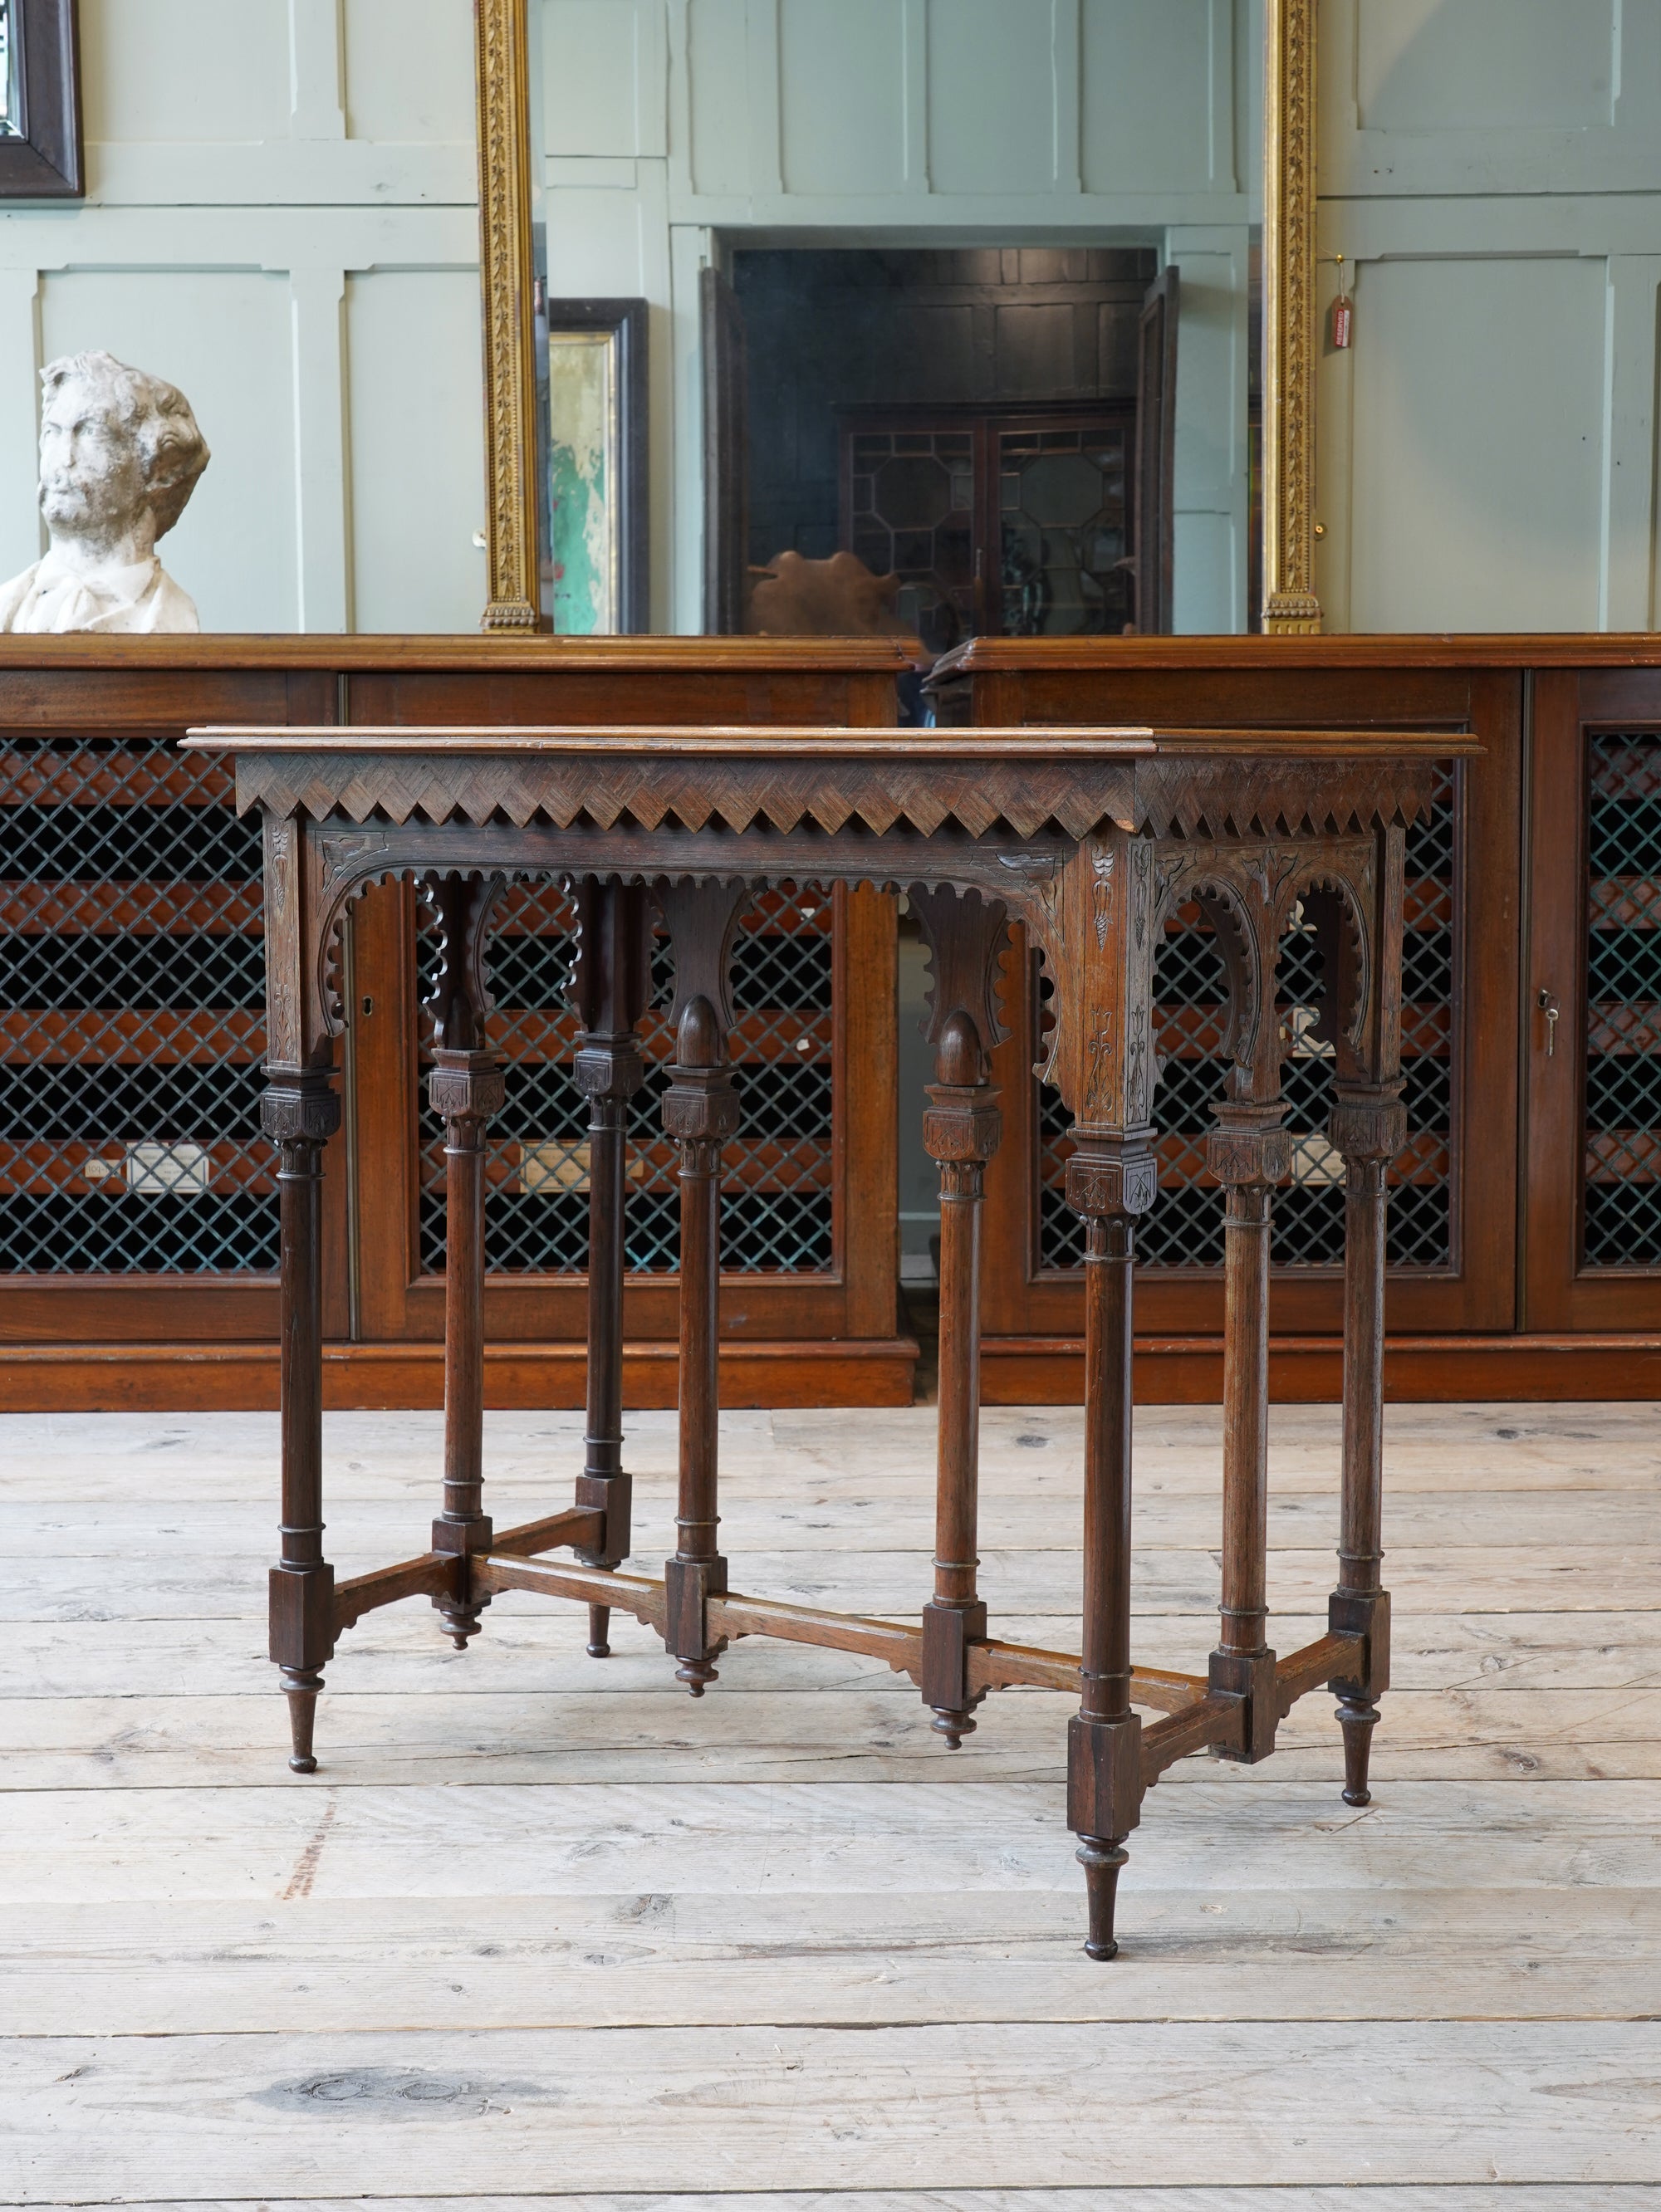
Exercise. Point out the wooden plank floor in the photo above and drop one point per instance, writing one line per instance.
(542, 1927)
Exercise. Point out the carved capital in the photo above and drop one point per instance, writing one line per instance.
(306, 1112)
(465, 1085)
(1368, 1129)
(700, 1105)
(1249, 1157)
(961, 1124)
(1101, 1184)
(609, 1070)
(962, 1179)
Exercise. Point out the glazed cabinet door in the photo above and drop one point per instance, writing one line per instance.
(1592, 1010)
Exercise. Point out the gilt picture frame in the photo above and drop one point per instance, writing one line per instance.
(1289, 601)
(40, 146)
(592, 465)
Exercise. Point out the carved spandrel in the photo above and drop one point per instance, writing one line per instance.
(702, 920)
(460, 1000)
(965, 935)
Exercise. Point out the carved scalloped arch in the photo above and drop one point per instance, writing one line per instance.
(1181, 879)
(1320, 875)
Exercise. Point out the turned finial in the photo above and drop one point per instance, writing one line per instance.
(957, 1055)
(698, 1041)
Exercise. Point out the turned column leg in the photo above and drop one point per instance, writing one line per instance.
(466, 1088)
(1104, 1748)
(961, 1130)
(1248, 1154)
(613, 985)
(299, 1115)
(1368, 1129)
(700, 1111)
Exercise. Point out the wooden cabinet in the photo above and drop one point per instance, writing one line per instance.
(138, 1208)
(1591, 1037)
(138, 1199)
(1525, 1255)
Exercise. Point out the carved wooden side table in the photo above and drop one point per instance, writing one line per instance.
(1089, 839)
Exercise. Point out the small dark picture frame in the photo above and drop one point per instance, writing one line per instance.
(40, 155)
(592, 354)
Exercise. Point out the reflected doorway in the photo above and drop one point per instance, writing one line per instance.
(986, 431)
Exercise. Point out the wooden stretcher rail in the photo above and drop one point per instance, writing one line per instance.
(493, 1572)
(432, 1575)
(1325, 1660)
(578, 1526)
(1215, 1720)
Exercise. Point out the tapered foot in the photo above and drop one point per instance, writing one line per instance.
(301, 1685)
(460, 1624)
(695, 1674)
(953, 1724)
(1101, 1857)
(1358, 1719)
(600, 1629)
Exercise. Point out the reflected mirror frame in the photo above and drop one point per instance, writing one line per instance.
(500, 29)
(40, 155)
(1289, 157)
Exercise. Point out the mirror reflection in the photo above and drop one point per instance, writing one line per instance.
(950, 314)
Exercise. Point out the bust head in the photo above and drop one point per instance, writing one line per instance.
(120, 456)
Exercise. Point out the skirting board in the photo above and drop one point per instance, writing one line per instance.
(374, 1377)
(1188, 1371)
(1015, 1371)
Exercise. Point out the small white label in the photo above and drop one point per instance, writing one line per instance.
(169, 1171)
(1315, 1160)
(552, 1166)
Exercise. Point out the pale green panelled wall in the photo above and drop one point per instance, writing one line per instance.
(670, 130)
(281, 219)
(1491, 171)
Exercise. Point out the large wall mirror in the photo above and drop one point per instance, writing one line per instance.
(947, 317)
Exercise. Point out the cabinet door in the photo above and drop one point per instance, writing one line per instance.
(808, 1196)
(1453, 1208)
(1592, 1011)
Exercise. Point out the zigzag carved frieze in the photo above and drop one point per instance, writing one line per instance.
(1211, 796)
(873, 794)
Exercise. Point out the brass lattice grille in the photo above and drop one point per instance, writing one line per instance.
(133, 999)
(777, 1202)
(1622, 1118)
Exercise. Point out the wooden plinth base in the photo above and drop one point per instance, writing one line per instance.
(1188, 1371)
(377, 1377)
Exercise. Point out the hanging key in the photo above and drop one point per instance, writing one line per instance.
(1549, 1007)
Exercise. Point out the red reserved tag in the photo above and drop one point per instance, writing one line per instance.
(1343, 317)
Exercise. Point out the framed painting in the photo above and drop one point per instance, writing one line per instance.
(40, 100)
(591, 394)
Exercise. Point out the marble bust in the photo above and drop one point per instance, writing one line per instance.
(119, 456)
